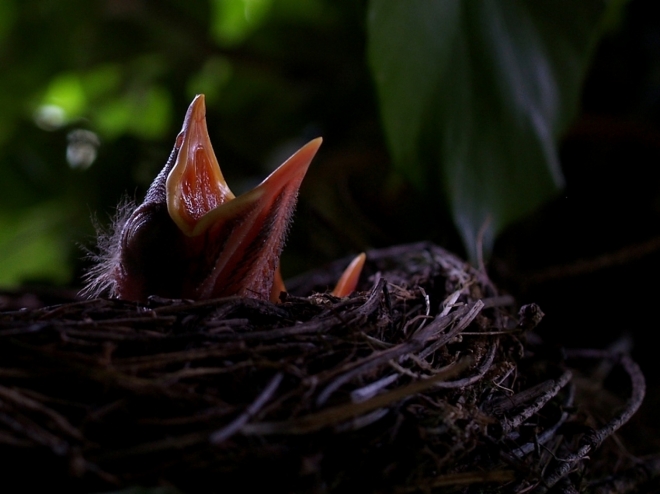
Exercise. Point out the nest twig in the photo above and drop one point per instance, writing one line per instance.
(424, 380)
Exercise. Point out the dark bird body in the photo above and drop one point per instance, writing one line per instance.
(149, 242)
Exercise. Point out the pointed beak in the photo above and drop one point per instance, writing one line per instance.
(234, 242)
(195, 185)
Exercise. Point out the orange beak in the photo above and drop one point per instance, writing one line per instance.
(236, 240)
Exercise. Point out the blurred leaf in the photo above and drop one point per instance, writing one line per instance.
(7, 17)
(144, 112)
(211, 79)
(311, 11)
(234, 20)
(102, 80)
(153, 113)
(114, 117)
(66, 92)
(474, 95)
(68, 95)
(613, 15)
(32, 247)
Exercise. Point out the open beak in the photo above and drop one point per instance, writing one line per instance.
(235, 242)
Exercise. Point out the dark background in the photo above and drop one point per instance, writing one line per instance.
(127, 70)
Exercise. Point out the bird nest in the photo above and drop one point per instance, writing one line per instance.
(422, 380)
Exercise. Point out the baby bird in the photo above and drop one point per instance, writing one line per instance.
(193, 238)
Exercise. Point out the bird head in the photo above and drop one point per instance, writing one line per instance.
(192, 237)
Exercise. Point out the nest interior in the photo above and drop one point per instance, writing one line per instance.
(427, 379)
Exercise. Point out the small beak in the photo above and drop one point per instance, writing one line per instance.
(233, 243)
(349, 279)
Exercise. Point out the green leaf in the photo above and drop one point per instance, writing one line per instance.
(66, 91)
(234, 20)
(474, 95)
(32, 246)
(145, 112)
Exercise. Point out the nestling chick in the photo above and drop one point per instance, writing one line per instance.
(193, 238)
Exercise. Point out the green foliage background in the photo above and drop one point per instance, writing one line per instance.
(473, 96)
